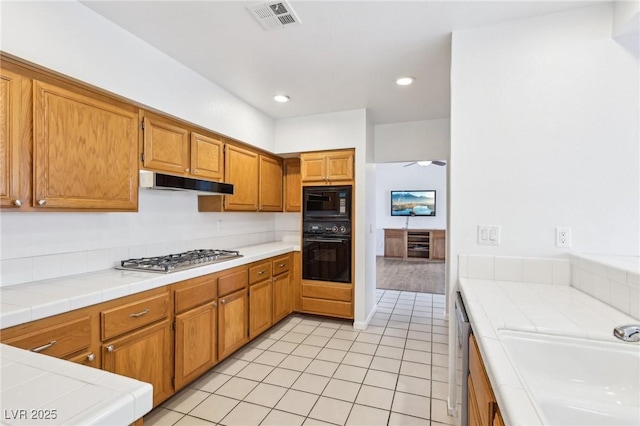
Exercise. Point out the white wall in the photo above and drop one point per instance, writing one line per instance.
(346, 129)
(413, 140)
(69, 38)
(394, 176)
(544, 133)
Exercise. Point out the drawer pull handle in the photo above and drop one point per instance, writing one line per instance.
(282, 265)
(139, 314)
(110, 348)
(91, 357)
(44, 347)
(261, 272)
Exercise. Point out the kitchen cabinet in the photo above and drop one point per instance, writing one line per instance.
(292, 185)
(426, 244)
(12, 121)
(327, 167)
(196, 334)
(270, 184)
(325, 298)
(282, 292)
(145, 354)
(483, 407)
(260, 298)
(233, 311)
(241, 169)
(173, 147)
(68, 336)
(84, 150)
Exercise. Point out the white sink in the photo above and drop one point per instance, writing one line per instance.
(573, 381)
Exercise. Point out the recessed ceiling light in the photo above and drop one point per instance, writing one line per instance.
(281, 98)
(405, 81)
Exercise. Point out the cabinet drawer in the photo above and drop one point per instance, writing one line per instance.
(195, 293)
(327, 307)
(57, 340)
(231, 282)
(281, 264)
(330, 292)
(259, 272)
(133, 315)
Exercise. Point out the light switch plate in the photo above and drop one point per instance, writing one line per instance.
(489, 235)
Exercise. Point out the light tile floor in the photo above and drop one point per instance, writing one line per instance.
(309, 370)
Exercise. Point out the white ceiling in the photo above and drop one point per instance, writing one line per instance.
(345, 55)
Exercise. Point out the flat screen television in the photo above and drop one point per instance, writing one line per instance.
(413, 203)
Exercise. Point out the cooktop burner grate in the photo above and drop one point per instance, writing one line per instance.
(179, 261)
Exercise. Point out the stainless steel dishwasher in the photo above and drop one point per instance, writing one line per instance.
(463, 329)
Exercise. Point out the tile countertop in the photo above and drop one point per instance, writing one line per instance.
(39, 389)
(22, 303)
(552, 309)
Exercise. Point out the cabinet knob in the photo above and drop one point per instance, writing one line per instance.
(110, 348)
(17, 203)
(91, 357)
(281, 265)
(186, 170)
(215, 304)
(42, 202)
(195, 171)
(223, 301)
(261, 272)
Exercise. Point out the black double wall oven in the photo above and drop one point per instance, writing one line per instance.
(326, 242)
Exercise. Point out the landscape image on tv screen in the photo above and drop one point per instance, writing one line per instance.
(413, 203)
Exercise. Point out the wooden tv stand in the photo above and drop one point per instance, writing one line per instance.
(426, 244)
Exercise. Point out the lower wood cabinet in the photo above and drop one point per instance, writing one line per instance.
(145, 355)
(260, 307)
(196, 343)
(426, 244)
(233, 330)
(282, 295)
(482, 404)
(326, 298)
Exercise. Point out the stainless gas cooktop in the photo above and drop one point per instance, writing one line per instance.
(178, 262)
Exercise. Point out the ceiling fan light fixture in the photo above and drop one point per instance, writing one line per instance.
(424, 163)
(281, 98)
(405, 81)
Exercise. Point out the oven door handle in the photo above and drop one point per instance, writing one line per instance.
(318, 240)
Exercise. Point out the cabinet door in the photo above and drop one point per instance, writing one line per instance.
(207, 157)
(85, 151)
(340, 165)
(281, 297)
(395, 243)
(241, 170)
(196, 343)
(313, 167)
(260, 305)
(10, 140)
(292, 185)
(145, 355)
(233, 317)
(166, 145)
(270, 184)
(438, 245)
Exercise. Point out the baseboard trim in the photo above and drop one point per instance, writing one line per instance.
(362, 325)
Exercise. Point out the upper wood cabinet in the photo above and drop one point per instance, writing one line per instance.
(11, 122)
(241, 168)
(84, 151)
(166, 145)
(270, 184)
(326, 167)
(292, 185)
(170, 146)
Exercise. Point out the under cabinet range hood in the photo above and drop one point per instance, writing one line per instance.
(154, 180)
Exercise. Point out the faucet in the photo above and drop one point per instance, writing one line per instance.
(627, 333)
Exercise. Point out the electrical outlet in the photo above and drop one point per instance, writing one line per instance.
(563, 236)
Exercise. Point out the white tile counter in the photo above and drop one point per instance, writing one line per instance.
(545, 308)
(22, 303)
(39, 389)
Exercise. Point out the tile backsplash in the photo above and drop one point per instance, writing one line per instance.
(41, 245)
(614, 280)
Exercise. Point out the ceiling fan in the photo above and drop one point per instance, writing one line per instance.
(426, 163)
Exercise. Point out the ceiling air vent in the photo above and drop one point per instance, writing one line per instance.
(274, 15)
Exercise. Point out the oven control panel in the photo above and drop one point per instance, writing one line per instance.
(327, 228)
